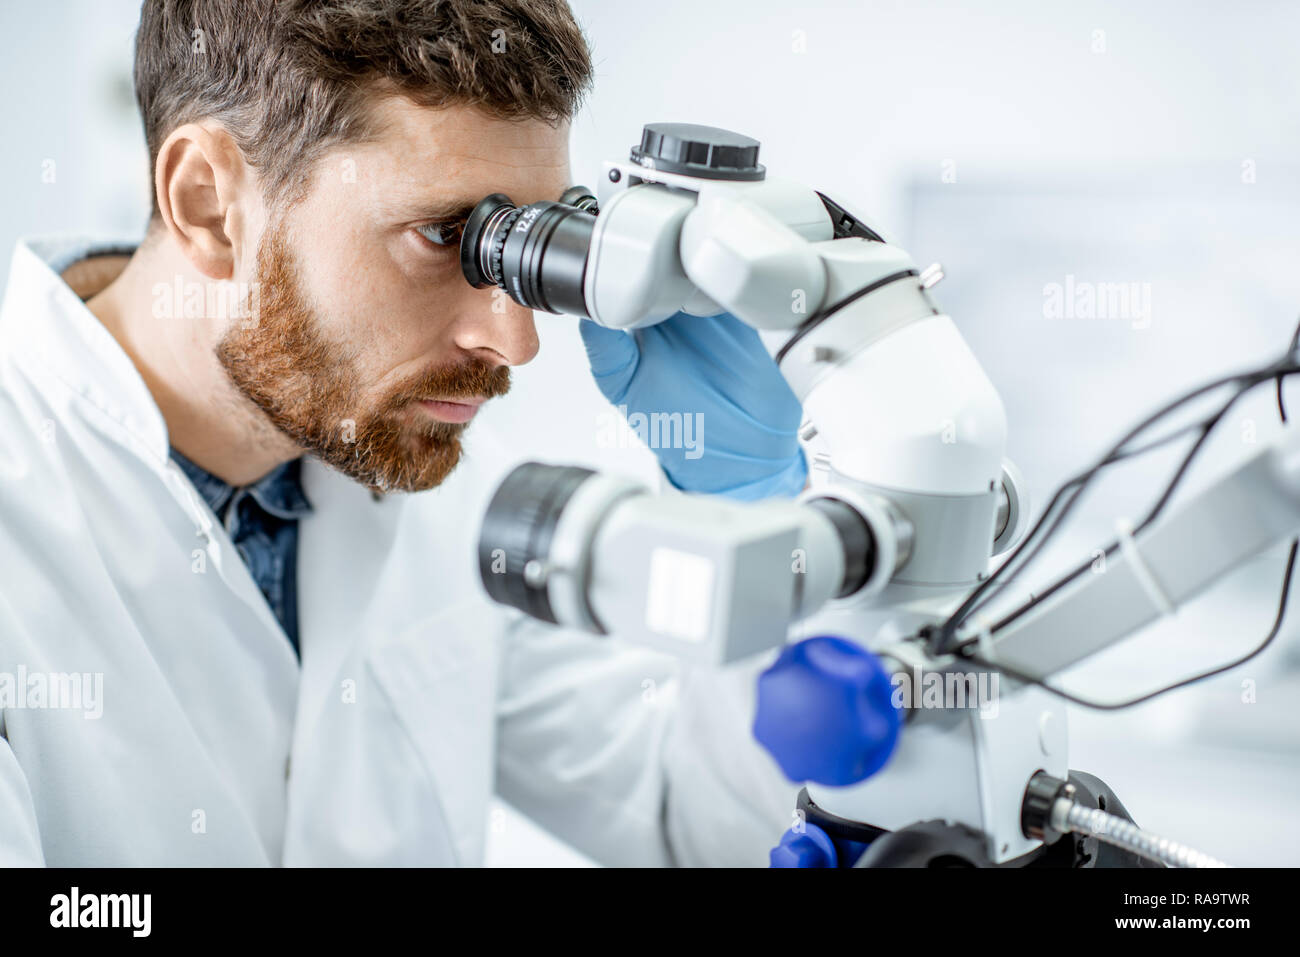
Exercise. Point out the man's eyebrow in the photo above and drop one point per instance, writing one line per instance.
(445, 211)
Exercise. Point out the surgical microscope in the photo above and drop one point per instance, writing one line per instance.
(877, 577)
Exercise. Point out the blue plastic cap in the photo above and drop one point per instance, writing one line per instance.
(812, 847)
(826, 712)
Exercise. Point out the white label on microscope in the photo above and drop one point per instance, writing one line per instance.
(679, 598)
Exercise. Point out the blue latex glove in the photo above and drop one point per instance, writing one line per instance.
(739, 422)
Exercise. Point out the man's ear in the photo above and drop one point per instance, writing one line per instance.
(203, 185)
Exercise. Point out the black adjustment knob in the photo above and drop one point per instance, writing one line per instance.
(703, 151)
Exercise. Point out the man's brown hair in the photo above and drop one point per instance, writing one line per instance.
(291, 78)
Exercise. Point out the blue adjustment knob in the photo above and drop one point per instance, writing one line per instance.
(811, 847)
(826, 712)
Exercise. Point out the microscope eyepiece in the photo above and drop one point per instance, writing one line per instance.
(536, 253)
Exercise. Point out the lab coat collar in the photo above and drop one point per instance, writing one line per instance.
(43, 322)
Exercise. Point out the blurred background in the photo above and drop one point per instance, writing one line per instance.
(1028, 150)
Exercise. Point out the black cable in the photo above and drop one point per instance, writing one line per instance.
(1118, 705)
(821, 315)
(1082, 480)
(1082, 483)
(979, 597)
(1277, 371)
(1295, 344)
(1206, 427)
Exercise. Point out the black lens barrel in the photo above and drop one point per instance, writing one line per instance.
(536, 253)
(545, 264)
(855, 538)
(518, 528)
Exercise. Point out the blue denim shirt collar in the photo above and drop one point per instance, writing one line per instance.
(279, 492)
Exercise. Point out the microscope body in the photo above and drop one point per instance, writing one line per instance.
(914, 436)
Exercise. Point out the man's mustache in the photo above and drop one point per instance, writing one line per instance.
(465, 380)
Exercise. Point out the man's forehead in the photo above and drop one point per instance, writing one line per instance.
(462, 154)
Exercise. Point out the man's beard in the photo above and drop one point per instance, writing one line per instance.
(309, 387)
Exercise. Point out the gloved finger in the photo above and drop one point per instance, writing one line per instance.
(722, 338)
(729, 356)
(613, 354)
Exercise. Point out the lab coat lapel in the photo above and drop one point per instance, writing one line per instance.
(219, 552)
(384, 603)
(439, 687)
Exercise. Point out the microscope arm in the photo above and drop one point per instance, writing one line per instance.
(768, 274)
(1252, 508)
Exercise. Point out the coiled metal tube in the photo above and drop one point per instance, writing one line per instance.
(1126, 834)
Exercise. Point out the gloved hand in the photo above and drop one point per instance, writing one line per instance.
(738, 433)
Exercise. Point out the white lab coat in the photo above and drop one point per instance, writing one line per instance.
(415, 695)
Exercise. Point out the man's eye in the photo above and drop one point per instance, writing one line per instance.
(441, 234)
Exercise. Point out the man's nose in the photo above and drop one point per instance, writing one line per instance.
(497, 329)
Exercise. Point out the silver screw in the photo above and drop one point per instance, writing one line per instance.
(536, 573)
(930, 275)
